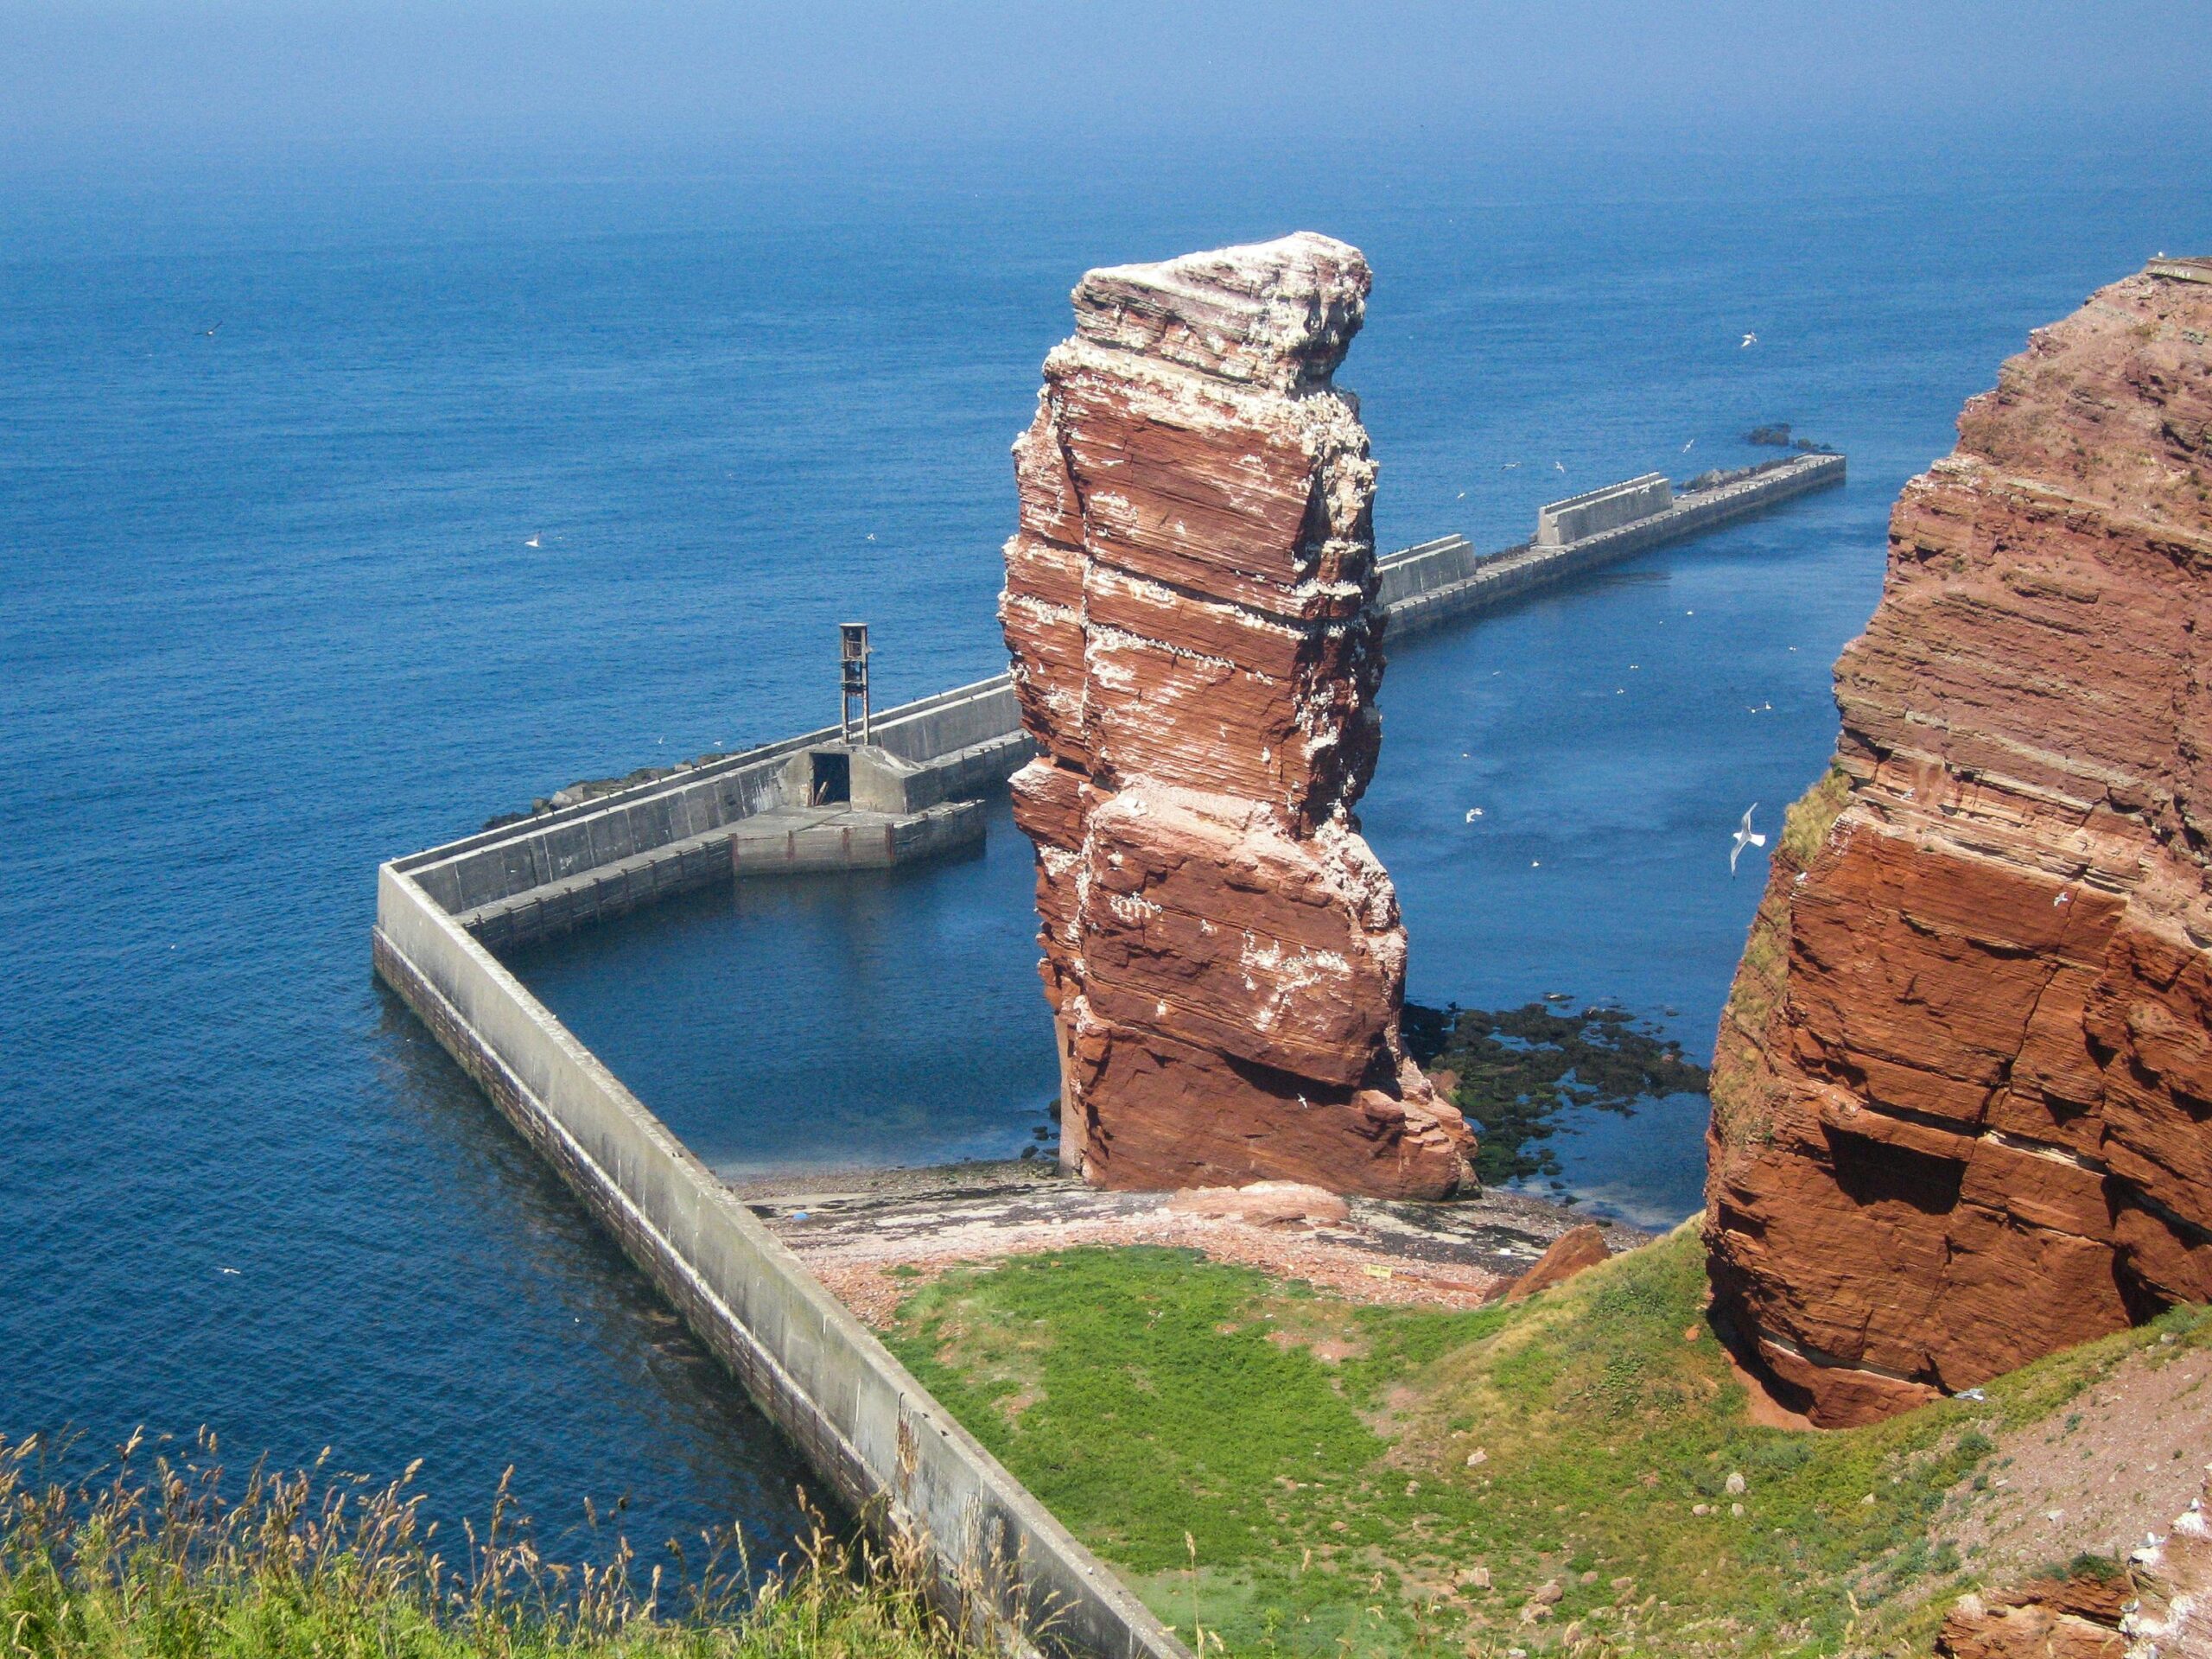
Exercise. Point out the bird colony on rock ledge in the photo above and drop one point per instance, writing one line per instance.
(1189, 606)
(1962, 1093)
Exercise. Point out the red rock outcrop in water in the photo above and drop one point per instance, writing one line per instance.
(1187, 602)
(1963, 1087)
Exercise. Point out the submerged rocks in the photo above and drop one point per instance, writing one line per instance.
(1962, 1093)
(1188, 606)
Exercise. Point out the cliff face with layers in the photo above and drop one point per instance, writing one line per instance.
(2158, 1606)
(1187, 604)
(1962, 1094)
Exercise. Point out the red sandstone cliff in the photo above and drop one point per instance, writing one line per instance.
(1187, 603)
(1962, 1085)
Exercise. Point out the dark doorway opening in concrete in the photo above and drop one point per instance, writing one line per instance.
(832, 777)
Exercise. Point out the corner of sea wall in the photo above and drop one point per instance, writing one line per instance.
(889, 1450)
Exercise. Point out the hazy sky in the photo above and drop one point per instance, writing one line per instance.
(87, 83)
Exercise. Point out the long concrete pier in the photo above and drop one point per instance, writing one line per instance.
(1447, 581)
(889, 1449)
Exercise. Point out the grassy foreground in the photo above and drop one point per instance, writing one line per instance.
(161, 1565)
(1294, 1473)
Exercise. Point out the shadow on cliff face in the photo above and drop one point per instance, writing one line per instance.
(1870, 1174)
(1515, 1071)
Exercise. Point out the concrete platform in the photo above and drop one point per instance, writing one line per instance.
(782, 841)
(796, 840)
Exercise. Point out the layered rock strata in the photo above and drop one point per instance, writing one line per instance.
(1962, 1095)
(2159, 1606)
(1188, 605)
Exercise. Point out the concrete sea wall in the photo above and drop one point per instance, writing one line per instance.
(889, 1449)
(1595, 512)
(604, 856)
(1446, 581)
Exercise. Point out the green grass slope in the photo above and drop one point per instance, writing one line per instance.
(1292, 1473)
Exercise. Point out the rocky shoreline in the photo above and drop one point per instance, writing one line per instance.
(870, 1234)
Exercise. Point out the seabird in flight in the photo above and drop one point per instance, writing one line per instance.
(1745, 836)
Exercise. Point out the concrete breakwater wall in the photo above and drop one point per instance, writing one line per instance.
(1437, 582)
(605, 856)
(871, 1431)
(864, 1424)
(1595, 512)
(602, 857)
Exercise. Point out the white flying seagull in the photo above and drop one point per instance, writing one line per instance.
(1749, 339)
(1745, 836)
(1691, 445)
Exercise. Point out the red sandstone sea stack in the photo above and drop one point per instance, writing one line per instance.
(1188, 602)
(1962, 1095)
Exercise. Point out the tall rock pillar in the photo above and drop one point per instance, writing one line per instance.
(1188, 606)
(1962, 1093)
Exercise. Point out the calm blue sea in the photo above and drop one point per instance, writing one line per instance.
(272, 460)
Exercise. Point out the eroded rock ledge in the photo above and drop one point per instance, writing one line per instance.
(1188, 606)
(1963, 1084)
(2158, 1606)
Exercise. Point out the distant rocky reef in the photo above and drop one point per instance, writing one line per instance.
(1962, 1094)
(1188, 605)
(1776, 436)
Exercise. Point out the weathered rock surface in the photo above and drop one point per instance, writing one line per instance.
(1265, 1204)
(2172, 1616)
(1571, 1253)
(1963, 1086)
(1188, 606)
(2159, 1607)
(2045, 1618)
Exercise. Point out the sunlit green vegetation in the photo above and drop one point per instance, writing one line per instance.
(159, 1563)
(1293, 1472)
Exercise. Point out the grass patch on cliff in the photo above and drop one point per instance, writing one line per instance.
(1291, 1471)
(163, 1562)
